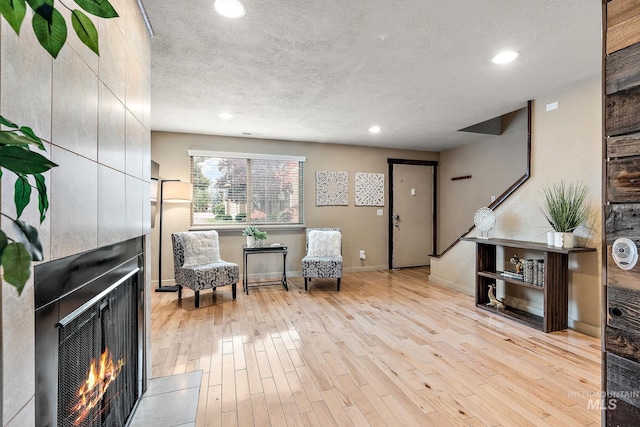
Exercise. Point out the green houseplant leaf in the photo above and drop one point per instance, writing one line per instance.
(22, 161)
(43, 201)
(15, 155)
(44, 8)
(6, 122)
(250, 230)
(3, 242)
(51, 33)
(101, 8)
(565, 205)
(85, 30)
(14, 12)
(13, 138)
(30, 239)
(50, 26)
(17, 265)
(22, 194)
(29, 134)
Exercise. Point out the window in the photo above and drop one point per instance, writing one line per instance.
(235, 188)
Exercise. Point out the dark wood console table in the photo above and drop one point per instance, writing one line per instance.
(555, 286)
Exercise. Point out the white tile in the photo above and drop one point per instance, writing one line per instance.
(112, 55)
(112, 224)
(25, 417)
(74, 204)
(75, 105)
(138, 36)
(111, 130)
(137, 139)
(134, 209)
(18, 352)
(170, 383)
(169, 401)
(26, 69)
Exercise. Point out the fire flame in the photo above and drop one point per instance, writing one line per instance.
(101, 375)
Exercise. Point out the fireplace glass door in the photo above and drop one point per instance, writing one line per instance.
(97, 360)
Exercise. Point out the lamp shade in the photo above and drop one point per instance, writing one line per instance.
(154, 189)
(176, 192)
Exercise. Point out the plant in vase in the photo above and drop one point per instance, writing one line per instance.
(255, 237)
(565, 209)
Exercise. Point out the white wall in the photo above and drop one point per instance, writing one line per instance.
(566, 144)
(494, 163)
(362, 228)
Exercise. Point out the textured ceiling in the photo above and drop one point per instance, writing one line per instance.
(325, 71)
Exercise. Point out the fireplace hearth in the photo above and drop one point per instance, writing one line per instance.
(90, 337)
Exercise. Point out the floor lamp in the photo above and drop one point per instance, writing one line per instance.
(171, 191)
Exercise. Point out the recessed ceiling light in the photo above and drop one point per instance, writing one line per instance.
(225, 116)
(375, 129)
(230, 8)
(505, 57)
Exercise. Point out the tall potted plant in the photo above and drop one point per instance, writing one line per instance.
(565, 208)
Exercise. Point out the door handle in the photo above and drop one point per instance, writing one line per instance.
(396, 224)
(396, 217)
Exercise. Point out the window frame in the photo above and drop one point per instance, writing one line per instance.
(248, 157)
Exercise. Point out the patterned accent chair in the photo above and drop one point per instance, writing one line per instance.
(197, 264)
(324, 255)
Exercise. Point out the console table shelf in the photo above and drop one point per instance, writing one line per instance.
(554, 288)
(498, 276)
(519, 316)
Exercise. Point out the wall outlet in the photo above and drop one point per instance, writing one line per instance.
(362, 255)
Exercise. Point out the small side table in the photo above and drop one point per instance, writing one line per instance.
(275, 249)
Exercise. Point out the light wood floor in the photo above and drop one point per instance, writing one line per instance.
(389, 349)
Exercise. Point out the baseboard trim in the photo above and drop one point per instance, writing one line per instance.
(450, 284)
(585, 328)
(366, 268)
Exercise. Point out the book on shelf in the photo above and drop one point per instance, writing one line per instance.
(533, 271)
(512, 275)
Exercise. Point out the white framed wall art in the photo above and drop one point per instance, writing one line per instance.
(332, 188)
(369, 189)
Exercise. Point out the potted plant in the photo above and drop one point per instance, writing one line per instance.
(255, 237)
(565, 209)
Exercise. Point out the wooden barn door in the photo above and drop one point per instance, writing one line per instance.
(621, 330)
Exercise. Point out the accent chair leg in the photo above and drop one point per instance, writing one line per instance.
(233, 290)
(179, 291)
(197, 299)
(305, 283)
(338, 284)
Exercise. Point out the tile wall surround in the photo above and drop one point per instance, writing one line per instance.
(95, 114)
